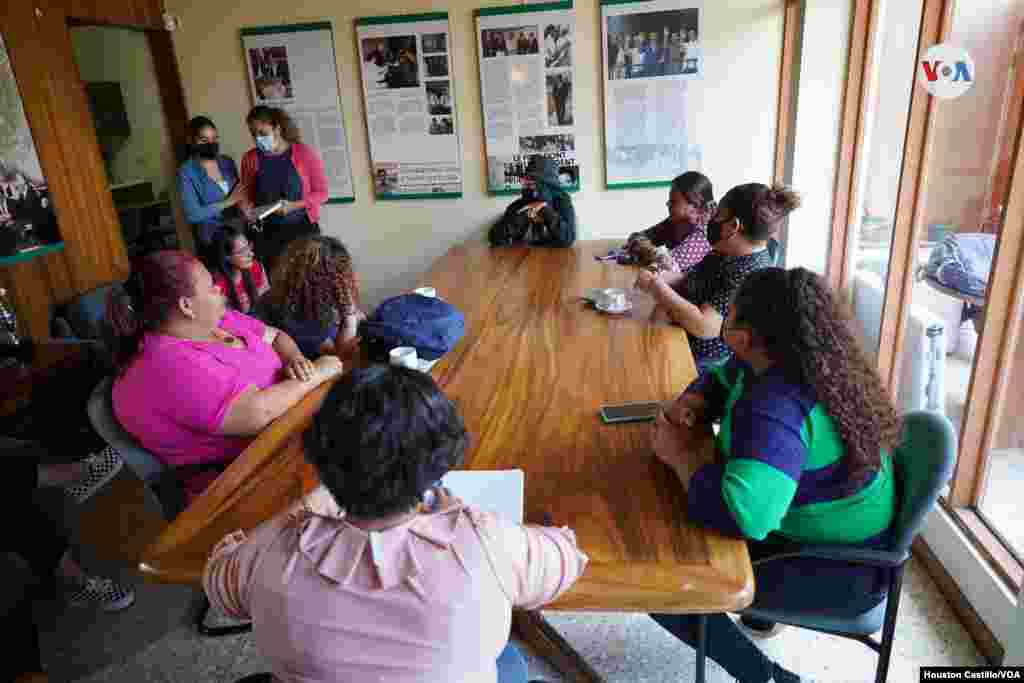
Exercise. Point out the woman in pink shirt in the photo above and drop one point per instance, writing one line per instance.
(198, 382)
(281, 168)
(381, 587)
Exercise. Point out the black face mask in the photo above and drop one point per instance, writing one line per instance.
(714, 232)
(207, 150)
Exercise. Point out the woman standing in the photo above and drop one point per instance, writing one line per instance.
(281, 168)
(208, 182)
(806, 431)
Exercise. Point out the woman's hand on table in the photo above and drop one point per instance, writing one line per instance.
(326, 368)
(300, 368)
(673, 446)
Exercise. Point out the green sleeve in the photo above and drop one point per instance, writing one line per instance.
(758, 496)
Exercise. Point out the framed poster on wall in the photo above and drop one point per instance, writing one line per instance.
(653, 67)
(410, 107)
(294, 67)
(27, 218)
(527, 88)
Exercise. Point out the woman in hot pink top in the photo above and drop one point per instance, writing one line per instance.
(197, 382)
(378, 586)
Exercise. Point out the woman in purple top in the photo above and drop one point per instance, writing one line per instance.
(198, 382)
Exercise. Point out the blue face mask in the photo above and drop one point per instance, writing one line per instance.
(265, 142)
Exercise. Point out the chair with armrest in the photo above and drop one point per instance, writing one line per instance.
(923, 464)
(160, 480)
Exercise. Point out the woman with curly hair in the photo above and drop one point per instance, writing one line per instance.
(314, 296)
(390, 579)
(806, 431)
(281, 168)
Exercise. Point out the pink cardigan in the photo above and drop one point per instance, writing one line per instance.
(311, 173)
(429, 600)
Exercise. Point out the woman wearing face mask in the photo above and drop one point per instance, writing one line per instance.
(543, 216)
(281, 168)
(747, 216)
(806, 432)
(208, 182)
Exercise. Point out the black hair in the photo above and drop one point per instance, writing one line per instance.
(218, 260)
(383, 436)
(696, 187)
(197, 123)
(759, 208)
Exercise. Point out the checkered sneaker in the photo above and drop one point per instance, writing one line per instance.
(100, 468)
(102, 593)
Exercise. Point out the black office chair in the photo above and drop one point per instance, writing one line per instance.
(160, 480)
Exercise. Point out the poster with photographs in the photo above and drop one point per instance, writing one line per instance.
(407, 75)
(27, 218)
(527, 87)
(293, 67)
(653, 69)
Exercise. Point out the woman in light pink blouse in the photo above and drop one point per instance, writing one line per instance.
(389, 591)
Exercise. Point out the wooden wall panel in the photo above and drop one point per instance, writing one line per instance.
(39, 44)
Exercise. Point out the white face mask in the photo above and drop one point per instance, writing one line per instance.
(265, 142)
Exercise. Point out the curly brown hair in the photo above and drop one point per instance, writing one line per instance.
(276, 116)
(806, 330)
(314, 280)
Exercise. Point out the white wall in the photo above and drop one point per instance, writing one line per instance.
(394, 242)
(104, 53)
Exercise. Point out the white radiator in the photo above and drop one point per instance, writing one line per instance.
(923, 357)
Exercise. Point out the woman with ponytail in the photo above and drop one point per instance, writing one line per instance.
(806, 431)
(207, 182)
(197, 382)
(739, 233)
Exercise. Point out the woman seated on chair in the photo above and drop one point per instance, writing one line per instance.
(197, 382)
(236, 271)
(746, 217)
(691, 204)
(543, 215)
(391, 579)
(315, 296)
(806, 430)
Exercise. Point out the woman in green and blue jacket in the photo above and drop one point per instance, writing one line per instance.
(806, 431)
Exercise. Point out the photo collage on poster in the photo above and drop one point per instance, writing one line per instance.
(286, 70)
(653, 65)
(527, 85)
(410, 106)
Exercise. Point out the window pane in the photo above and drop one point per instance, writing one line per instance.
(893, 73)
(819, 97)
(968, 177)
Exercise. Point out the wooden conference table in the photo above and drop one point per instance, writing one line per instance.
(529, 377)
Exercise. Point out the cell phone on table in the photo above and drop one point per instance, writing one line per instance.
(630, 412)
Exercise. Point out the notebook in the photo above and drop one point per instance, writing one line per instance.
(498, 491)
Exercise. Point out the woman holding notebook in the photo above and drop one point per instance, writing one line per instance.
(384, 587)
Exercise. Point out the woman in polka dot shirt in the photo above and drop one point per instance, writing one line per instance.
(747, 217)
(691, 203)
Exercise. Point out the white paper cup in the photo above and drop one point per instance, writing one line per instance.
(405, 356)
(426, 291)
